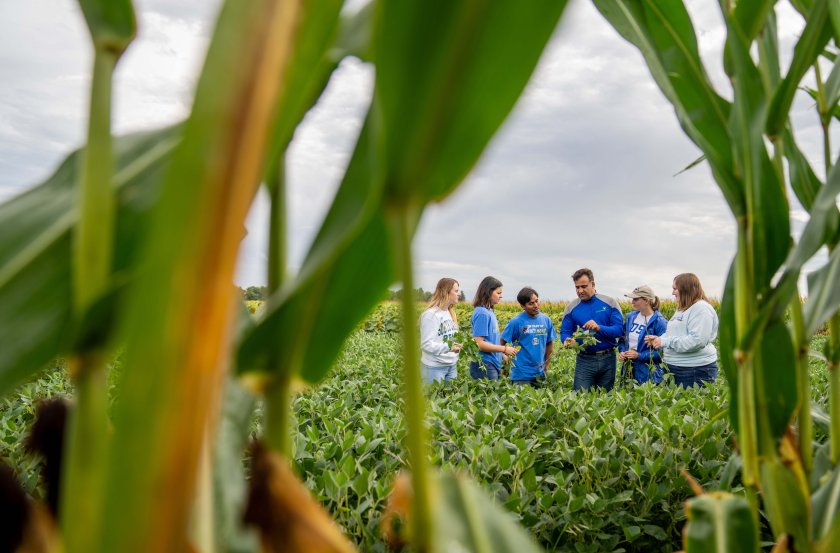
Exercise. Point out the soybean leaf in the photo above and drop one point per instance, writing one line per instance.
(719, 522)
(814, 37)
(436, 61)
(784, 503)
(35, 229)
(664, 35)
(111, 23)
(179, 322)
(469, 520)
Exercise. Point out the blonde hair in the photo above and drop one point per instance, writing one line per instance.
(688, 285)
(440, 297)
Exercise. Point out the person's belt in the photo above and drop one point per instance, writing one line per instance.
(595, 354)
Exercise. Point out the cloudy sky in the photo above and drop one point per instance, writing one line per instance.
(581, 174)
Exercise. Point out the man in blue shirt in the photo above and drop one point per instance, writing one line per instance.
(534, 333)
(595, 365)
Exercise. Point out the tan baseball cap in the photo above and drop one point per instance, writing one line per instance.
(643, 291)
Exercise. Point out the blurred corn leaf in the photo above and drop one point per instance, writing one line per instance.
(719, 522)
(826, 505)
(823, 293)
(111, 23)
(441, 58)
(470, 520)
(179, 323)
(35, 230)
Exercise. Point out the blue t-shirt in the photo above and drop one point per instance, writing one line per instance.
(533, 334)
(485, 325)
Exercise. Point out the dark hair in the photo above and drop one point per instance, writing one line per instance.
(583, 272)
(524, 295)
(485, 289)
(688, 285)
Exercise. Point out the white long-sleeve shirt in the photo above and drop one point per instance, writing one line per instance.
(435, 325)
(688, 340)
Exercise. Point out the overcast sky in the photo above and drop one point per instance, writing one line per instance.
(581, 173)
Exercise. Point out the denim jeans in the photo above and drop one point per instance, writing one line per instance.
(594, 370)
(694, 376)
(489, 371)
(436, 374)
(642, 373)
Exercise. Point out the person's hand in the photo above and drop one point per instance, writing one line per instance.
(591, 325)
(630, 354)
(569, 342)
(456, 348)
(509, 351)
(654, 342)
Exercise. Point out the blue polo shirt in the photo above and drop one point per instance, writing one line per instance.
(603, 310)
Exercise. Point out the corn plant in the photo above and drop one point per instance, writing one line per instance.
(144, 261)
(750, 146)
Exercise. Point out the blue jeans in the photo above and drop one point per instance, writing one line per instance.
(489, 371)
(595, 370)
(436, 374)
(694, 376)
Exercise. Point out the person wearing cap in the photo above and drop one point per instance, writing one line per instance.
(688, 344)
(595, 365)
(644, 320)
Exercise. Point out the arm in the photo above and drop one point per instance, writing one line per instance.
(566, 326)
(486, 346)
(430, 342)
(699, 330)
(622, 344)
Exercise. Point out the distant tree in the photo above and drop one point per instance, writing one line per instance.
(462, 296)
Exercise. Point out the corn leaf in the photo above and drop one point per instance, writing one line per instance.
(719, 522)
(786, 507)
(779, 381)
(111, 23)
(814, 37)
(179, 322)
(436, 63)
(768, 219)
(751, 16)
(826, 503)
(663, 33)
(308, 72)
(35, 230)
(728, 339)
(823, 293)
(469, 520)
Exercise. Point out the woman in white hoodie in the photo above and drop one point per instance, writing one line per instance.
(687, 345)
(437, 323)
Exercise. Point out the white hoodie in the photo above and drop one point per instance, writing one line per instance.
(688, 340)
(435, 325)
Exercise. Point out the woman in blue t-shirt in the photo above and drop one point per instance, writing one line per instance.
(644, 320)
(485, 331)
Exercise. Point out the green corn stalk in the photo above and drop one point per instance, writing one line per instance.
(112, 28)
